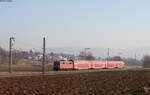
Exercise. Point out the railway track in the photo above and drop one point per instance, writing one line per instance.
(19, 74)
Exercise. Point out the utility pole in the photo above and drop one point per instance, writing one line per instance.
(11, 40)
(135, 58)
(107, 57)
(44, 56)
(86, 52)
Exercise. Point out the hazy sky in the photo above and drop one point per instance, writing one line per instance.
(85, 23)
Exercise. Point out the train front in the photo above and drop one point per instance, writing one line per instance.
(63, 65)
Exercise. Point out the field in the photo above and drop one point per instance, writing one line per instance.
(26, 67)
(118, 82)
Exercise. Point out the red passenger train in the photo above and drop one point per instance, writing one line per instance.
(74, 65)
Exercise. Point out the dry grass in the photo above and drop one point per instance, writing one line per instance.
(33, 68)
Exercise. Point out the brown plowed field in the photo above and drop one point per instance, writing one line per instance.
(126, 82)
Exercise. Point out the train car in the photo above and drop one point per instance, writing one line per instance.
(82, 65)
(115, 64)
(75, 65)
(98, 64)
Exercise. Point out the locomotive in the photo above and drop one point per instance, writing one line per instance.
(78, 65)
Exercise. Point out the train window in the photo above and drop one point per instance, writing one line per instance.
(66, 62)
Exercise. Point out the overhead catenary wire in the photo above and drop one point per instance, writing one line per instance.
(18, 42)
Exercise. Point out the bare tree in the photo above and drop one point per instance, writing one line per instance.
(146, 61)
(116, 58)
(17, 55)
(86, 56)
(3, 56)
